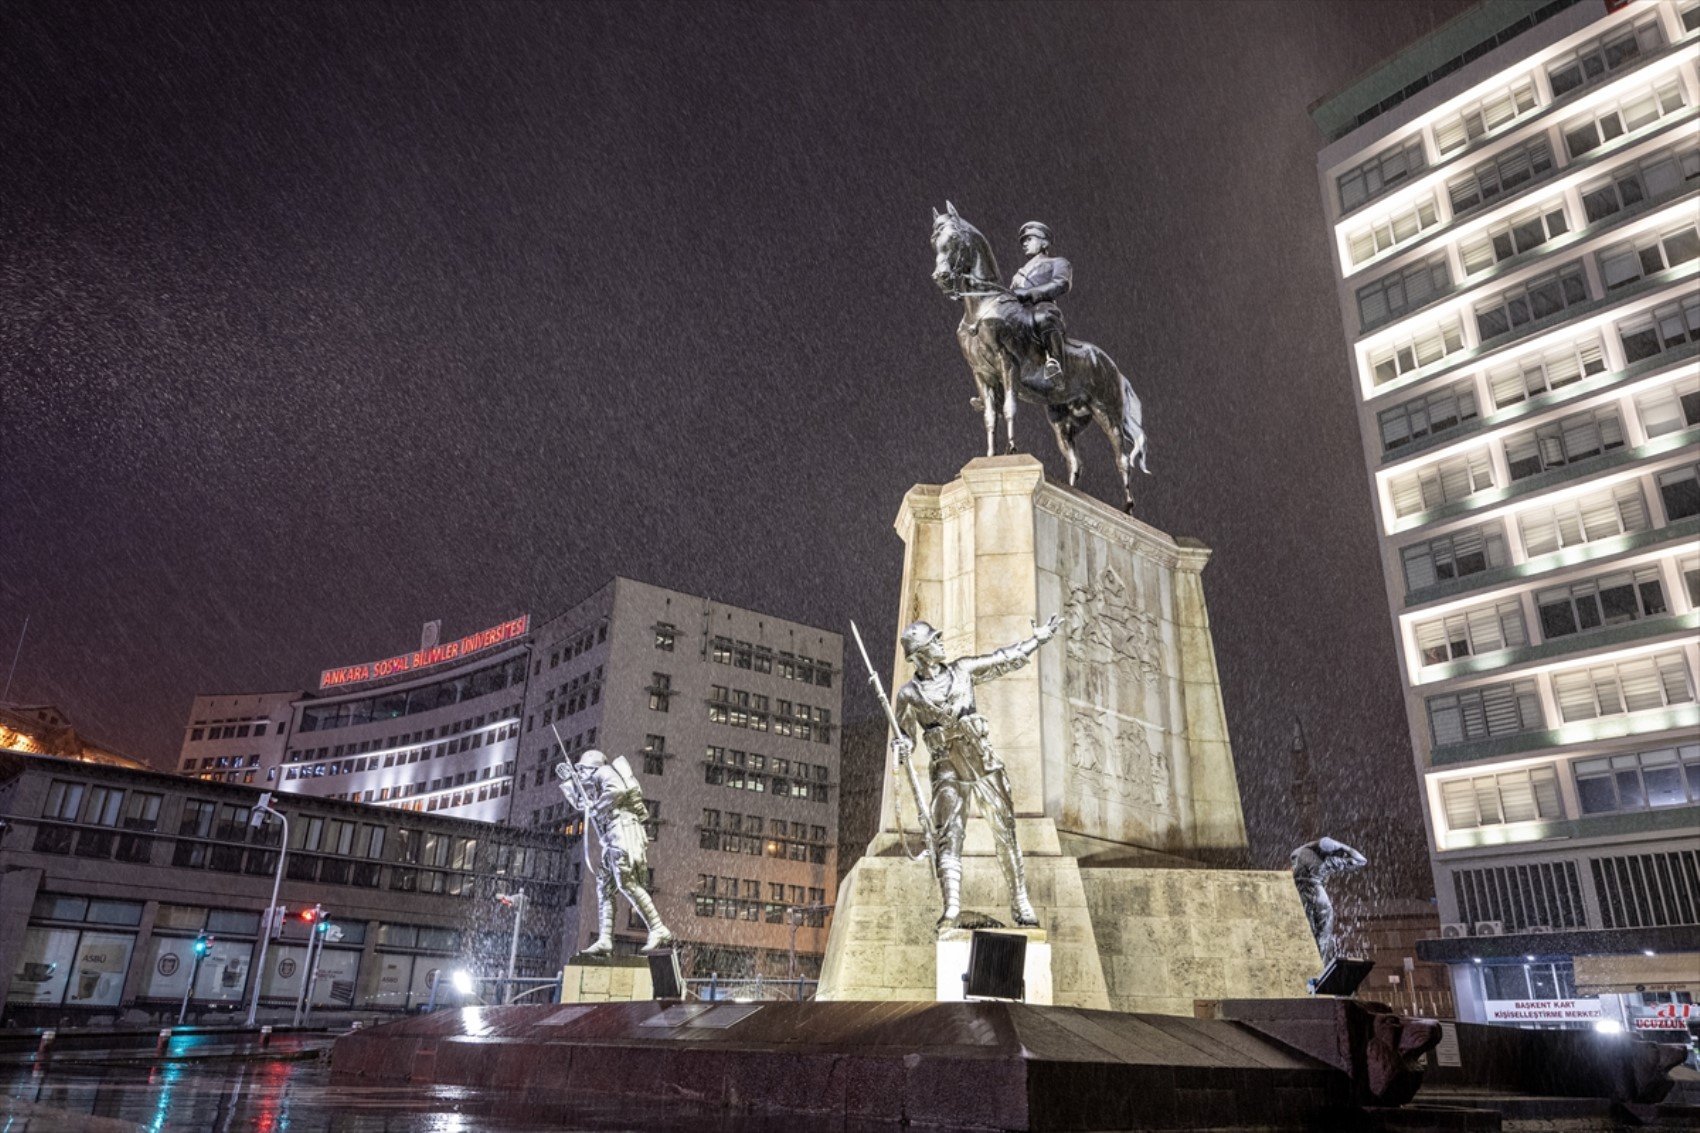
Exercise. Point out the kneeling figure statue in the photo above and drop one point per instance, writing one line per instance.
(608, 795)
(939, 703)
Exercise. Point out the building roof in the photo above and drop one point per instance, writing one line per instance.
(42, 729)
(1465, 37)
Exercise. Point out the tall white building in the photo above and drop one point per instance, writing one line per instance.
(1513, 205)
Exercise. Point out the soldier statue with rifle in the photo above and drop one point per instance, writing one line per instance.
(607, 793)
(939, 704)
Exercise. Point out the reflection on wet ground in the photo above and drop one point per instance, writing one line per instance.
(298, 1097)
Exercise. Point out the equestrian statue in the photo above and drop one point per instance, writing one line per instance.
(1015, 342)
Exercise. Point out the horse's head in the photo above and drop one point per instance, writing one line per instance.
(961, 255)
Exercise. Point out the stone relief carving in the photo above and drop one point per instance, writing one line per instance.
(1112, 757)
(1109, 629)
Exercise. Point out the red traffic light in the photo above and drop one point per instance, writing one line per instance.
(308, 915)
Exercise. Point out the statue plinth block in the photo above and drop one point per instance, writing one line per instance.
(606, 979)
(1116, 747)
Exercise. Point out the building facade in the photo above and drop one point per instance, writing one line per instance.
(1513, 206)
(729, 716)
(109, 875)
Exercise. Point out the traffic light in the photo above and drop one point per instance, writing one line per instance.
(323, 926)
(310, 915)
(203, 945)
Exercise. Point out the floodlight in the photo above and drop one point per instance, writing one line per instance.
(664, 975)
(997, 964)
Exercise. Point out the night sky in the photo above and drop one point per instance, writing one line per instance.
(319, 321)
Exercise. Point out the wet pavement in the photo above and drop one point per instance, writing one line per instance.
(212, 1094)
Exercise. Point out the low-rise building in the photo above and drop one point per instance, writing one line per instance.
(108, 875)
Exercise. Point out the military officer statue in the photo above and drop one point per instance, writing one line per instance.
(608, 795)
(939, 703)
(1042, 280)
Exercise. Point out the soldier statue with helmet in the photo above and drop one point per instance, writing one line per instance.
(938, 702)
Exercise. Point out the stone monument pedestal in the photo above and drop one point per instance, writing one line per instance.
(1116, 747)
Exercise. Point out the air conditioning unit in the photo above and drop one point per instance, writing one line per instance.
(1490, 928)
(1456, 931)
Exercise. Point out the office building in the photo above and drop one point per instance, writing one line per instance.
(1512, 203)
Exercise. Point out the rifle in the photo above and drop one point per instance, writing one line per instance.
(927, 829)
(574, 790)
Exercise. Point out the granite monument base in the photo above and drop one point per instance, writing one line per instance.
(979, 1065)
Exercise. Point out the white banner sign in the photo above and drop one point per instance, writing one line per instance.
(1542, 1010)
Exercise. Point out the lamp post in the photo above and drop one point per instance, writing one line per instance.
(516, 902)
(797, 912)
(261, 809)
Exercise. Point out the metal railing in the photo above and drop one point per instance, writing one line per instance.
(717, 987)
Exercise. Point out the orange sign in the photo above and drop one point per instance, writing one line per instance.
(425, 658)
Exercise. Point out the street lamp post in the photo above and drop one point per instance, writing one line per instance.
(261, 809)
(797, 912)
(516, 901)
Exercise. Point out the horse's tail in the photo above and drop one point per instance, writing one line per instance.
(1132, 427)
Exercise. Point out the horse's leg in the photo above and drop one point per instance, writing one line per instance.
(1064, 425)
(988, 413)
(1009, 380)
(1112, 430)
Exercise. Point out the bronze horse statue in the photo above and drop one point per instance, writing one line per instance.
(997, 338)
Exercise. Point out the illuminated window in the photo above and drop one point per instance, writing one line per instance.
(1410, 355)
(1595, 60)
(1471, 632)
(1479, 119)
(1585, 519)
(1386, 170)
(1482, 713)
(1670, 408)
(1577, 437)
(1666, 328)
(1651, 178)
(1522, 233)
(1643, 780)
(1403, 291)
(1493, 800)
(1625, 116)
(1625, 263)
(1554, 369)
(1430, 413)
(1612, 599)
(1539, 298)
(1393, 229)
(1499, 175)
(1445, 481)
(1627, 686)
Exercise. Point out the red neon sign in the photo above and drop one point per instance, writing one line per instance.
(425, 658)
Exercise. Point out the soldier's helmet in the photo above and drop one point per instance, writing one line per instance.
(592, 758)
(917, 635)
(1036, 228)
